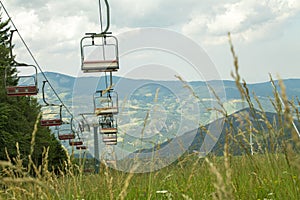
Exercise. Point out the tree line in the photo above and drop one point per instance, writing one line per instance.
(18, 115)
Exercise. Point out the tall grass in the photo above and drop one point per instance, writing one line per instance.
(273, 172)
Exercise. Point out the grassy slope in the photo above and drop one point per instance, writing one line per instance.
(268, 176)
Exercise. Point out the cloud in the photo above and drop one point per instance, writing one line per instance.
(209, 21)
(52, 30)
(247, 20)
(158, 13)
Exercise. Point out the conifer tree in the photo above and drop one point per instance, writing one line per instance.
(19, 114)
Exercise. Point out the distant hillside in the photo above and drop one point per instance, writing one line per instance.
(137, 98)
(193, 141)
(65, 83)
(237, 126)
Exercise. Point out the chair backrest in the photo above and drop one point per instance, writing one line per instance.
(99, 53)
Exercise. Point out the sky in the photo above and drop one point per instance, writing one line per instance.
(265, 33)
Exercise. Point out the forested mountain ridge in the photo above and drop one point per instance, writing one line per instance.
(66, 83)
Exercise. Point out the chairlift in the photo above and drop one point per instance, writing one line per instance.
(108, 129)
(108, 124)
(110, 139)
(83, 124)
(66, 131)
(26, 76)
(66, 136)
(105, 102)
(51, 113)
(83, 127)
(78, 143)
(109, 156)
(27, 83)
(82, 147)
(99, 53)
(75, 143)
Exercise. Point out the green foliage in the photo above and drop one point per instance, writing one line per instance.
(19, 114)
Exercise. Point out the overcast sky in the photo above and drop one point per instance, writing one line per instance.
(265, 33)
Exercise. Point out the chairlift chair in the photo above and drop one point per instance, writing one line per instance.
(108, 125)
(27, 76)
(110, 139)
(83, 124)
(51, 115)
(75, 143)
(27, 83)
(78, 143)
(108, 129)
(69, 136)
(99, 53)
(105, 102)
(81, 147)
(66, 132)
(109, 156)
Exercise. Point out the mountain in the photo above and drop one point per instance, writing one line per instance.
(151, 112)
(265, 128)
(209, 138)
(73, 88)
(88, 84)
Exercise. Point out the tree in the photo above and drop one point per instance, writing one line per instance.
(19, 114)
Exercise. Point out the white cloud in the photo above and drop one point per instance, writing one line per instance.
(247, 20)
(200, 19)
(230, 20)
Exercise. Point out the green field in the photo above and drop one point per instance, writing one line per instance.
(269, 176)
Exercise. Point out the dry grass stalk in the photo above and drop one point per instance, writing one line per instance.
(109, 182)
(194, 167)
(186, 85)
(220, 184)
(123, 192)
(32, 143)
